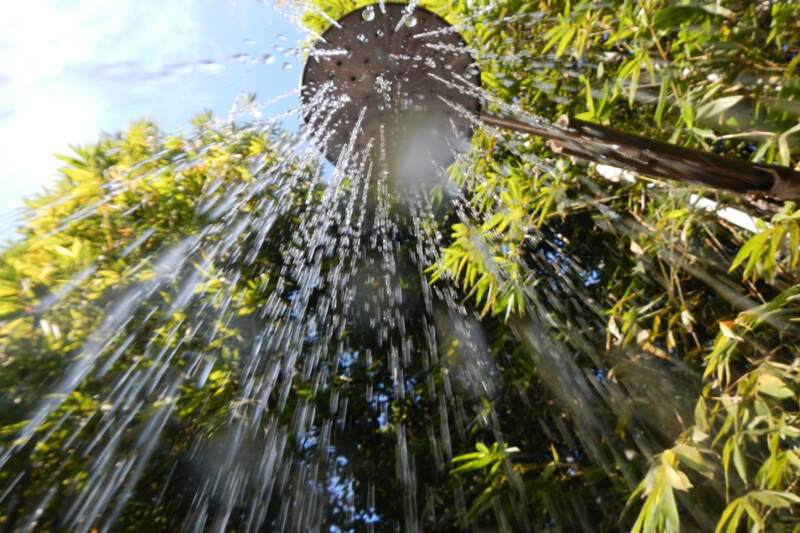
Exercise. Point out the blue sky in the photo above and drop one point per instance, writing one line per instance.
(71, 69)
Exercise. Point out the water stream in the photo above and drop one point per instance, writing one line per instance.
(283, 363)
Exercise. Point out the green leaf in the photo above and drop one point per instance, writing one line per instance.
(773, 386)
(467, 456)
(473, 465)
(779, 500)
(716, 9)
(738, 462)
(726, 515)
(662, 100)
(753, 247)
(754, 515)
(670, 510)
(687, 114)
(715, 107)
(677, 479)
(693, 458)
(783, 150)
(481, 503)
(672, 17)
(565, 40)
(553, 36)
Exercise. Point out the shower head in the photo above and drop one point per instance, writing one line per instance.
(402, 80)
(387, 62)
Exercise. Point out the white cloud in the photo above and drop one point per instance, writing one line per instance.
(40, 126)
(39, 38)
(44, 104)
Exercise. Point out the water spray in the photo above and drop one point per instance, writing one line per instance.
(378, 60)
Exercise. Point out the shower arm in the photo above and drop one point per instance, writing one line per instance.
(660, 159)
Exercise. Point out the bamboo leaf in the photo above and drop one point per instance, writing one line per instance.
(773, 386)
(662, 100)
(566, 39)
(739, 463)
(718, 106)
(783, 150)
(777, 499)
(674, 16)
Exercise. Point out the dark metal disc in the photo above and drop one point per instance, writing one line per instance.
(391, 76)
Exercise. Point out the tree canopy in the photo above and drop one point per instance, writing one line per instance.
(205, 331)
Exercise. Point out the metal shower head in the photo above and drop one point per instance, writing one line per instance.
(383, 61)
(387, 63)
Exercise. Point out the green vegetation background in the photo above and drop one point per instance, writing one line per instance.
(699, 349)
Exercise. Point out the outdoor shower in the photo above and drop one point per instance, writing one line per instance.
(406, 78)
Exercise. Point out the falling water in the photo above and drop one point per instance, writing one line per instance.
(287, 413)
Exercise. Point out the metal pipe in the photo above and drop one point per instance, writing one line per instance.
(650, 157)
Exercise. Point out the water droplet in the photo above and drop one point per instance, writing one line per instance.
(411, 21)
(287, 66)
(368, 14)
(380, 33)
(361, 38)
(268, 59)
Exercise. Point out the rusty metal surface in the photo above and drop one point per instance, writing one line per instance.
(389, 73)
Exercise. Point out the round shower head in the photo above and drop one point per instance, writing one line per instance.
(401, 69)
(404, 82)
